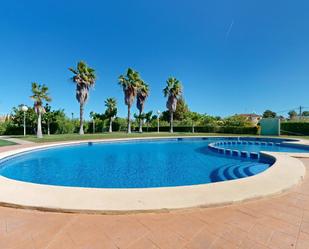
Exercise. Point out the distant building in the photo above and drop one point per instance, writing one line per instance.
(251, 117)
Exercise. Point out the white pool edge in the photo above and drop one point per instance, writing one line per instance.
(285, 173)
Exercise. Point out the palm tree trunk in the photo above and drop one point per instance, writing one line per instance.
(140, 122)
(111, 125)
(147, 126)
(129, 116)
(39, 130)
(93, 126)
(48, 128)
(81, 115)
(171, 121)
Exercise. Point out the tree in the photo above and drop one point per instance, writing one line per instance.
(139, 119)
(129, 83)
(84, 78)
(142, 94)
(40, 93)
(93, 116)
(292, 114)
(305, 113)
(173, 92)
(269, 114)
(237, 120)
(17, 120)
(111, 111)
(148, 118)
(182, 110)
(194, 117)
(48, 116)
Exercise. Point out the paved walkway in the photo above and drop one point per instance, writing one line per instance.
(16, 140)
(274, 223)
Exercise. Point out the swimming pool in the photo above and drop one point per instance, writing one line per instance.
(133, 164)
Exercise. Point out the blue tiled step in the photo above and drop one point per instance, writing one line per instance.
(235, 171)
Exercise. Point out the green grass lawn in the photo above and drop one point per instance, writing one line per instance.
(5, 143)
(71, 137)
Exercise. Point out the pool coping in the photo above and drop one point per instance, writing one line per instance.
(285, 173)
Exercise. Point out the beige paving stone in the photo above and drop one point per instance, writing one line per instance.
(221, 243)
(250, 244)
(282, 241)
(260, 233)
(204, 239)
(142, 243)
(303, 241)
(274, 223)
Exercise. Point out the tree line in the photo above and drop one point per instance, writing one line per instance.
(134, 89)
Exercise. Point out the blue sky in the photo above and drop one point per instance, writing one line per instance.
(231, 56)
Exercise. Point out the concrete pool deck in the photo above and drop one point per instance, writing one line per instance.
(279, 222)
(283, 175)
(273, 223)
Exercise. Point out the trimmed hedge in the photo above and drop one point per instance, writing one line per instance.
(208, 129)
(295, 128)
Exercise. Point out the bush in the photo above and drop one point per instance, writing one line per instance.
(209, 129)
(295, 128)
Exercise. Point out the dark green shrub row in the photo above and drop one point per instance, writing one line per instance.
(295, 128)
(209, 129)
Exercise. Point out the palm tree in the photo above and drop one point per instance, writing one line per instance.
(142, 94)
(84, 78)
(40, 93)
(148, 118)
(48, 115)
(172, 91)
(111, 111)
(93, 116)
(129, 83)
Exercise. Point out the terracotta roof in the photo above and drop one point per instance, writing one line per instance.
(249, 115)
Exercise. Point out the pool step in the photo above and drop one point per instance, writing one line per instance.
(235, 171)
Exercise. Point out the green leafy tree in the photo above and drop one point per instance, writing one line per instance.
(60, 123)
(139, 119)
(48, 117)
(129, 83)
(16, 122)
(111, 111)
(305, 114)
(173, 92)
(142, 94)
(84, 78)
(292, 114)
(40, 94)
(237, 120)
(194, 117)
(269, 114)
(148, 118)
(93, 118)
(182, 110)
(209, 120)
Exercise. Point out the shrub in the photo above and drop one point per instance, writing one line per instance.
(295, 128)
(209, 129)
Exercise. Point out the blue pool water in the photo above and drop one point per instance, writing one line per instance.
(134, 164)
(260, 147)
